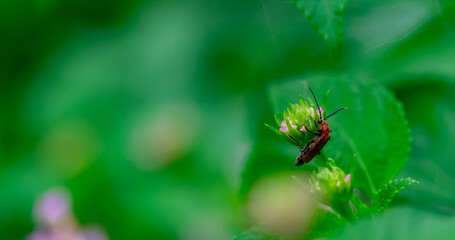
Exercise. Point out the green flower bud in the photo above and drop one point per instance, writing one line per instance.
(331, 185)
(297, 119)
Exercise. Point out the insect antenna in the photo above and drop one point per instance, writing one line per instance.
(335, 112)
(318, 110)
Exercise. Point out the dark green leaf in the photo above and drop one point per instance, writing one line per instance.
(326, 17)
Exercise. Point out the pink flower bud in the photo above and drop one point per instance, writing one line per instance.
(284, 129)
(320, 111)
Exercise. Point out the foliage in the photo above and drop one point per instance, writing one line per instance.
(151, 113)
(326, 17)
(372, 111)
(372, 163)
(401, 223)
(385, 195)
(325, 224)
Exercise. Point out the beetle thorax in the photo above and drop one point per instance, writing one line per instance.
(324, 126)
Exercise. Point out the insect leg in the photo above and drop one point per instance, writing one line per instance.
(298, 143)
(315, 133)
(300, 148)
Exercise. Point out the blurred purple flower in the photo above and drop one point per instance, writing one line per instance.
(39, 235)
(53, 209)
(53, 206)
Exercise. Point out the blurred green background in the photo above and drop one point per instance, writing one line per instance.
(149, 111)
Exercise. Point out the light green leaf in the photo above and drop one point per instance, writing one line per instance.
(326, 17)
(324, 102)
(385, 195)
(374, 128)
(274, 129)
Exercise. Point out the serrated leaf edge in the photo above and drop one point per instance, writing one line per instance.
(381, 202)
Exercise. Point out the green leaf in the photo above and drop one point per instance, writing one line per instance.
(274, 129)
(403, 223)
(424, 80)
(362, 208)
(324, 101)
(432, 157)
(326, 17)
(374, 128)
(428, 53)
(325, 224)
(382, 200)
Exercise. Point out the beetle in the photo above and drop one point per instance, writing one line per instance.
(318, 142)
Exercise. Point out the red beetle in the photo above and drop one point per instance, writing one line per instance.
(318, 142)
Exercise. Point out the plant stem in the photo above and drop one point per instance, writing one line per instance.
(345, 210)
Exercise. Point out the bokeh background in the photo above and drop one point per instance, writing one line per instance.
(147, 112)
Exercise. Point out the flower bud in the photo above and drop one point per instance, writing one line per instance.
(331, 185)
(297, 119)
